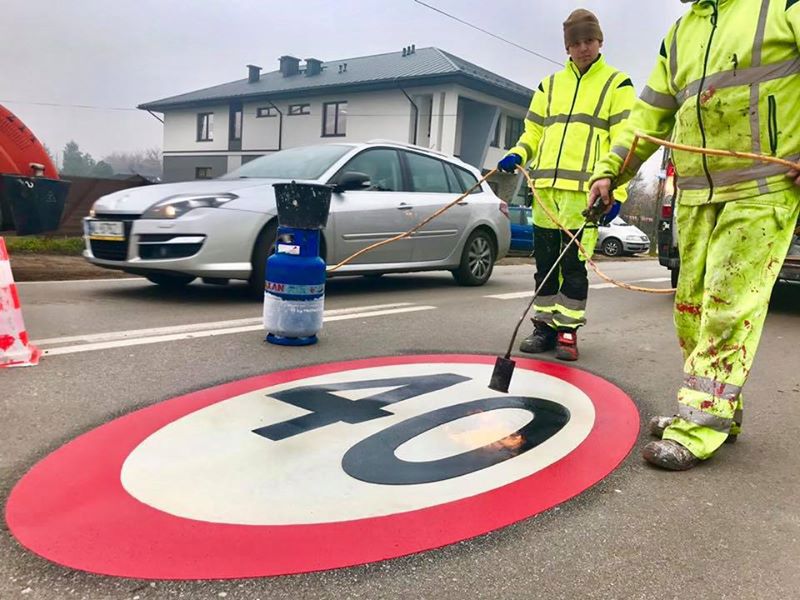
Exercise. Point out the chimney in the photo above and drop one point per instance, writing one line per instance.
(253, 73)
(409, 50)
(313, 67)
(289, 65)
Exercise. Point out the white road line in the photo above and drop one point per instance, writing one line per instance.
(214, 332)
(125, 279)
(192, 327)
(594, 286)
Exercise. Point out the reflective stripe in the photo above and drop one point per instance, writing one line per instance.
(562, 174)
(741, 77)
(704, 419)
(527, 149)
(545, 303)
(717, 389)
(657, 99)
(622, 152)
(534, 118)
(562, 320)
(673, 57)
(578, 118)
(755, 92)
(734, 176)
(550, 93)
(570, 303)
(618, 118)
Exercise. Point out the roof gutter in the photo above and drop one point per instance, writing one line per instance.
(416, 114)
(280, 124)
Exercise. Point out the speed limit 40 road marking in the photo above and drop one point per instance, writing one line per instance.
(321, 467)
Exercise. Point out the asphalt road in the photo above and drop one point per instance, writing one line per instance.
(727, 529)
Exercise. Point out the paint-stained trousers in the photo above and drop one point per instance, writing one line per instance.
(731, 254)
(561, 304)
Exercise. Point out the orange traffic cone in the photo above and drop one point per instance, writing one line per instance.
(15, 350)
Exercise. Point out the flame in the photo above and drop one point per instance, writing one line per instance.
(490, 435)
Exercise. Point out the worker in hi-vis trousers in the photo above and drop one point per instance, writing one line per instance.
(574, 116)
(728, 77)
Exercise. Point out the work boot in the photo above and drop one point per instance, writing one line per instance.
(669, 454)
(567, 345)
(657, 425)
(542, 339)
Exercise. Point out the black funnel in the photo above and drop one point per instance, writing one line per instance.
(303, 205)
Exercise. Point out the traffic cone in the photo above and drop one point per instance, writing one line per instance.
(15, 350)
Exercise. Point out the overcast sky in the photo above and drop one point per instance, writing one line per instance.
(125, 52)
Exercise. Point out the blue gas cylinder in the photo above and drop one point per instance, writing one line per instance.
(294, 288)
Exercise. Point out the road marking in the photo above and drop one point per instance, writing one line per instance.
(185, 335)
(191, 327)
(594, 286)
(127, 279)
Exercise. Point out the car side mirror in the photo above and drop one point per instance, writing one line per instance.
(352, 180)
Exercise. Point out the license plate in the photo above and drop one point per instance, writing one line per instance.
(105, 230)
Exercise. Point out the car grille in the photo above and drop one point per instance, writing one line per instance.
(111, 250)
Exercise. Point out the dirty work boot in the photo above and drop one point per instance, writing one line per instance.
(542, 339)
(567, 345)
(657, 425)
(669, 454)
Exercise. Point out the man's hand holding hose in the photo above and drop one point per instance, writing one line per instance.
(606, 209)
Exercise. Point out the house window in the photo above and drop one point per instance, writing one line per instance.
(299, 109)
(334, 119)
(205, 127)
(236, 124)
(496, 138)
(202, 172)
(514, 129)
(266, 111)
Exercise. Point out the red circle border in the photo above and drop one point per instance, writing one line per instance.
(71, 508)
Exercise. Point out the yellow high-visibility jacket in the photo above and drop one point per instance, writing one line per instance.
(728, 77)
(571, 123)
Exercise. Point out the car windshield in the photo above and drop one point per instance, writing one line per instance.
(307, 162)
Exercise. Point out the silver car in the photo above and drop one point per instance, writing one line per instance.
(620, 237)
(225, 228)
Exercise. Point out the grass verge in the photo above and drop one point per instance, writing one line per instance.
(45, 244)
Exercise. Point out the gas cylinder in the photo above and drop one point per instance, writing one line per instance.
(294, 288)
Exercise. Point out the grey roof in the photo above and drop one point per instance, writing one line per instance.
(380, 71)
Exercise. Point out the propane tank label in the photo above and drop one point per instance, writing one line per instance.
(289, 249)
(291, 289)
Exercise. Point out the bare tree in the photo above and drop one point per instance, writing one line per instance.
(146, 163)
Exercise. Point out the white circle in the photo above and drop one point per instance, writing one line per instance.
(210, 466)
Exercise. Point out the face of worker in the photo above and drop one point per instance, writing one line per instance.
(584, 53)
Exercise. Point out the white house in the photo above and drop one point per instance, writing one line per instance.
(421, 96)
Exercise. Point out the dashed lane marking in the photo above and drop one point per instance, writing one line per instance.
(201, 330)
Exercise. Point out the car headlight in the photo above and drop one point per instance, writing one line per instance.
(177, 206)
(633, 238)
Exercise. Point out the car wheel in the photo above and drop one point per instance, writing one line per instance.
(612, 247)
(477, 259)
(170, 282)
(263, 248)
(673, 277)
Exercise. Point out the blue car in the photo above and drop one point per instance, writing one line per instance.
(521, 229)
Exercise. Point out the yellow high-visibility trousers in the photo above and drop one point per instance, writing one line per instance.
(731, 254)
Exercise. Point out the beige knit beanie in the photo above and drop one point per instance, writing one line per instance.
(581, 25)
